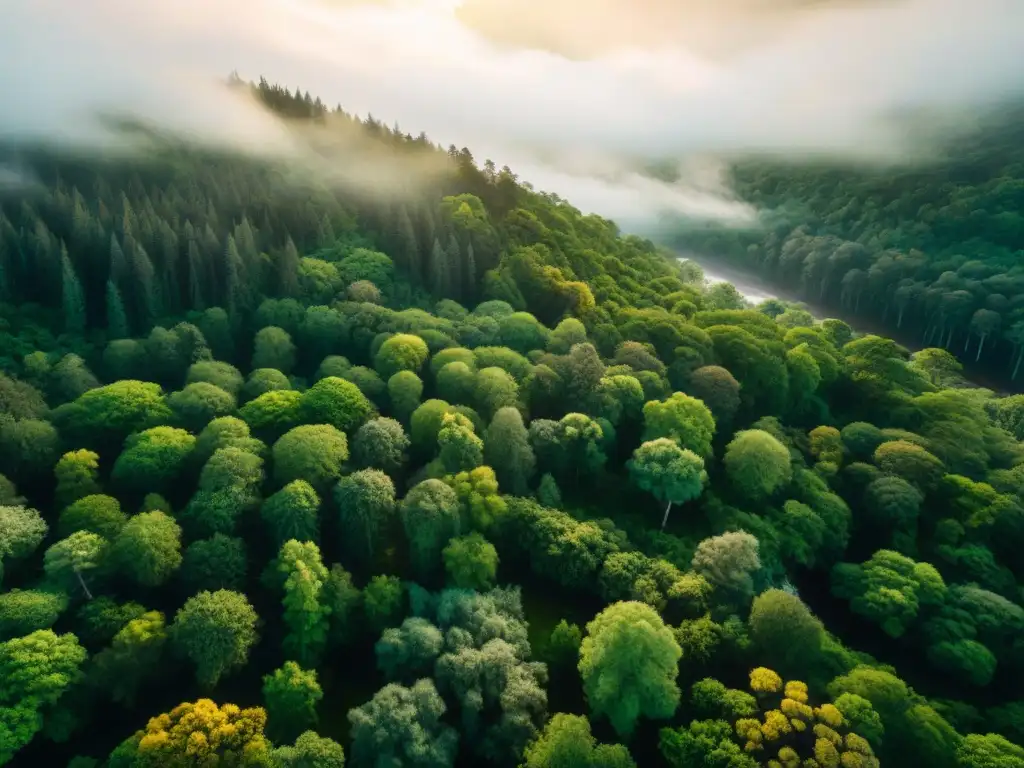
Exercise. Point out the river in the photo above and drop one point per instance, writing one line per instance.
(755, 288)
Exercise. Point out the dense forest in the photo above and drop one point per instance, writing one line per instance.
(936, 250)
(299, 476)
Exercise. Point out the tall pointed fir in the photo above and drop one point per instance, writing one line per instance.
(325, 233)
(407, 249)
(145, 290)
(439, 282)
(46, 265)
(117, 317)
(469, 282)
(196, 291)
(72, 295)
(454, 259)
(234, 280)
(287, 270)
(170, 289)
(118, 261)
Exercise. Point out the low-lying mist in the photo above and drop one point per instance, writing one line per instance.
(575, 102)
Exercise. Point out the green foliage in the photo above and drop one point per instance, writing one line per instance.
(214, 631)
(133, 656)
(403, 726)
(273, 348)
(729, 562)
(784, 631)
(671, 474)
(218, 562)
(629, 662)
(703, 742)
(567, 742)
(96, 513)
(290, 694)
(315, 453)
(459, 449)
(310, 751)
(757, 463)
(404, 390)
(198, 404)
(380, 444)
(682, 418)
(148, 549)
(153, 459)
(293, 513)
(302, 576)
(383, 602)
(366, 504)
(77, 474)
(431, 518)
(68, 561)
(471, 562)
(23, 611)
(336, 402)
(402, 352)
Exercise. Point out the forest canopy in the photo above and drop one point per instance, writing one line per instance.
(465, 476)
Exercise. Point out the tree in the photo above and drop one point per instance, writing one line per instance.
(302, 574)
(310, 751)
(911, 462)
(153, 459)
(671, 474)
(273, 348)
(21, 531)
(26, 610)
(222, 375)
(293, 513)
(218, 562)
(784, 630)
(405, 389)
(425, 423)
(35, 671)
(366, 503)
(729, 562)
(718, 389)
(989, 751)
(261, 381)
(703, 743)
(567, 742)
(757, 464)
(456, 382)
(67, 560)
(197, 733)
(336, 402)
(471, 562)
(889, 589)
(290, 694)
(408, 651)
(495, 389)
(148, 548)
(383, 602)
(214, 630)
(380, 443)
(315, 453)
(198, 404)
(225, 432)
(97, 513)
(430, 517)
(507, 450)
(403, 726)
(28, 448)
(459, 447)
(629, 662)
(547, 492)
(682, 418)
(567, 334)
(77, 474)
(273, 413)
(401, 352)
(133, 656)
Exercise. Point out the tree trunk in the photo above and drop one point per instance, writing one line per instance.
(81, 581)
(981, 346)
(1016, 368)
(856, 304)
(664, 520)
(899, 318)
(949, 339)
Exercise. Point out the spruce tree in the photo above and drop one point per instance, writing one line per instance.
(72, 295)
(288, 270)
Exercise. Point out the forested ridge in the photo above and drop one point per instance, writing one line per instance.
(298, 475)
(936, 250)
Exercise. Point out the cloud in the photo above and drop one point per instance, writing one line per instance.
(690, 82)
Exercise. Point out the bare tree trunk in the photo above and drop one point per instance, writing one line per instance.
(981, 346)
(1016, 368)
(664, 520)
(81, 581)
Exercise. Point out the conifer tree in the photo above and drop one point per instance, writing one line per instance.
(287, 270)
(453, 254)
(72, 295)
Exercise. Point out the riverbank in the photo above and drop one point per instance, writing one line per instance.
(755, 288)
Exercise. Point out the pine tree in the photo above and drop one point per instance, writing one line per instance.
(196, 296)
(72, 295)
(438, 270)
(118, 262)
(117, 318)
(326, 237)
(470, 282)
(147, 295)
(454, 260)
(288, 270)
(233, 279)
(407, 249)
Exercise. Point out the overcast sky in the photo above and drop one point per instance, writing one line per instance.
(566, 91)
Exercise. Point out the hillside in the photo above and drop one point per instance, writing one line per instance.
(298, 472)
(937, 249)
